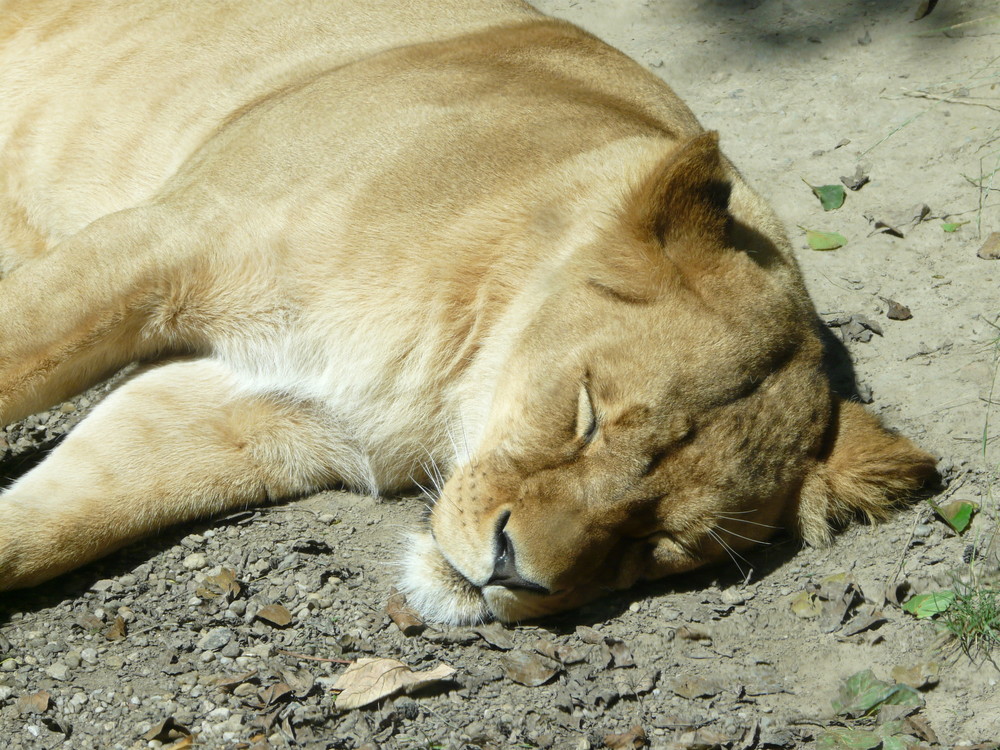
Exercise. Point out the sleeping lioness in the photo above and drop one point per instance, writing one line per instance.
(358, 243)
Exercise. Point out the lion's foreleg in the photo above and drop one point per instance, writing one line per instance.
(177, 442)
(76, 314)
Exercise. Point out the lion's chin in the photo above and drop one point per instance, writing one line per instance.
(441, 594)
(436, 590)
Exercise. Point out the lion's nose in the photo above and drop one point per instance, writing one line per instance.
(505, 565)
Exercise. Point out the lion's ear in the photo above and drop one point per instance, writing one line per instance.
(862, 469)
(686, 197)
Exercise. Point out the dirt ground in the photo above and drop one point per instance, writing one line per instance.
(155, 643)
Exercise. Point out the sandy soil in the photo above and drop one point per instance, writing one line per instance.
(802, 92)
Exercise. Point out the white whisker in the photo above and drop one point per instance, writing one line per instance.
(752, 523)
(733, 554)
(733, 533)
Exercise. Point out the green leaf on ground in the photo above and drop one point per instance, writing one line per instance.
(899, 742)
(952, 226)
(845, 738)
(923, 606)
(824, 240)
(957, 514)
(863, 692)
(888, 736)
(831, 197)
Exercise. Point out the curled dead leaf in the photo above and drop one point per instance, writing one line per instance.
(529, 669)
(619, 653)
(404, 616)
(274, 693)
(563, 653)
(167, 730)
(858, 180)
(118, 630)
(371, 679)
(495, 635)
(222, 584)
(301, 681)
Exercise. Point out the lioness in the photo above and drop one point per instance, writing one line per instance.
(358, 241)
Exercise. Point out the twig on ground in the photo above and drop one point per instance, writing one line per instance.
(297, 655)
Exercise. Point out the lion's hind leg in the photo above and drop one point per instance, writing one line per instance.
(177, 442)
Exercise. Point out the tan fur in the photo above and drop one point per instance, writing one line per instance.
(363, 243)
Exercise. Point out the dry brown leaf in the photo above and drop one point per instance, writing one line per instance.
(842, 594)
(619, 652)
(371, 679)
(229, 682)
(405, 617)
(630, 740)
(301, 681)
(991, 248)
(167, 730)
(91, 623)
(36, 703)
(181, 744)
(529, 669)
(118, 630)
(922, 729)
(869, 618)
(222, 584)
(274, 693)
(495, 635)
(275, 614)
(560, 652)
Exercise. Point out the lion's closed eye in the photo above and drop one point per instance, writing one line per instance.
(586, 417)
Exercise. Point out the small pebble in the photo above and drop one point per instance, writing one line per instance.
(57, 671)
(215, 639)
(195, 561)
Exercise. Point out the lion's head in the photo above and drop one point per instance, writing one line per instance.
(665, 408)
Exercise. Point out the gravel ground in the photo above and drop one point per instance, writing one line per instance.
(232, 634)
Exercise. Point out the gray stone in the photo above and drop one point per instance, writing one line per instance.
(215, 639)
(57, 671)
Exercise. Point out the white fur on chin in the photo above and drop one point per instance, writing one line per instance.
(435, 589)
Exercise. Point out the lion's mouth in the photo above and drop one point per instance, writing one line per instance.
(437, 589)
(440, 592)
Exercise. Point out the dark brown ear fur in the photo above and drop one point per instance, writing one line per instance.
(685, 198)
(864, 468)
